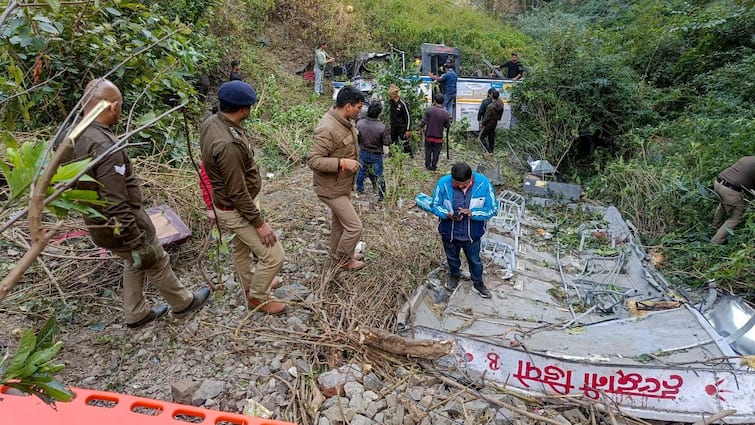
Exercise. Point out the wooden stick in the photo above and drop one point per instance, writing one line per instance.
(720, 415)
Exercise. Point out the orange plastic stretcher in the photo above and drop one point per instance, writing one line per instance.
(101, 407)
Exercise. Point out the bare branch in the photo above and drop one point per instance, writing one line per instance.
(13, 5)
(32, 88)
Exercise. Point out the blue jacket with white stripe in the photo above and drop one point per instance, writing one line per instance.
(480, 199)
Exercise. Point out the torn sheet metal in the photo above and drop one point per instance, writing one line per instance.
(567, 323)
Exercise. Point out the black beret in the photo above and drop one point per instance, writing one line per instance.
(237, 93)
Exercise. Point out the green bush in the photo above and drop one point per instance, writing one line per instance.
(49, 55)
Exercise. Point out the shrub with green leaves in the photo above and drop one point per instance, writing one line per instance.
(32, 369)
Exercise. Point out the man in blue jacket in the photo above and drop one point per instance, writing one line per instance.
(448, 82)
(464, 201)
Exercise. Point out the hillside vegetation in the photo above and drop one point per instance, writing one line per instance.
(663, 91)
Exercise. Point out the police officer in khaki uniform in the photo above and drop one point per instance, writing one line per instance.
(730, 186)
(236, 182)
(124, 227)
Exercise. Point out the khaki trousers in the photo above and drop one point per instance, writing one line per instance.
(160, 275)
(346, 227)
(246, 246)
(733, 205)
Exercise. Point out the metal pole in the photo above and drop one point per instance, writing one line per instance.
(448, 148)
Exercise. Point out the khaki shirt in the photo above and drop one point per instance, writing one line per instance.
(229, 161)
(123, 217)
(741, 173)
(335, 137)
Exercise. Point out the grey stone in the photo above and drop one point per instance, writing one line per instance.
(372, 383)
(504, 417)
(370, 396)
(275, 364)
(476, 407)
(416, 393)
(352, 372)
(401, 371)
(335, 401)
(270, 402)
(426, 401)
(288, 364)
(454, 409)
(323, 421)
(398, 415)
(182, 391)
(89, 380)
(352, 388)
(436, 418)
(360, 420)
(303, 367)
(296, 324)
(208, 389)
(575, 416)
(331, 383)
(392, 401)
(379, 418)
(373, 407)
(356, 402)
(339, 414)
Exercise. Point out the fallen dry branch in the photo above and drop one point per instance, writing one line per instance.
(717, 417)
(392, 343)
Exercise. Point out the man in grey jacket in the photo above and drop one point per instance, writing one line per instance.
(373, 135)
(334, 163)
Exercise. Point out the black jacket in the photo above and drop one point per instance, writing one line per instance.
(400, 117)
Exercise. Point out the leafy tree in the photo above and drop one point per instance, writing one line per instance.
(574, 88)
(49, 54)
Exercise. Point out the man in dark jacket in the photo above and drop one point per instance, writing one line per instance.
(436, 119)
(484, 105)
(124, 227)
(236, 183)
(493, 114)
(464, 201)
(235, 71)
(372, 137)
(400, 120)
(730, 186)
(514, 68)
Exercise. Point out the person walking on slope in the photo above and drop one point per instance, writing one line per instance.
(400, 120)
(373, 136)
(436, 119)
(334, 163)
(236, 183)
(493, 114)
(124, 226)
(464, 201)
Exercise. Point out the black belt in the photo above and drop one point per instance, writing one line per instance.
(729, 185)
(218, 207)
